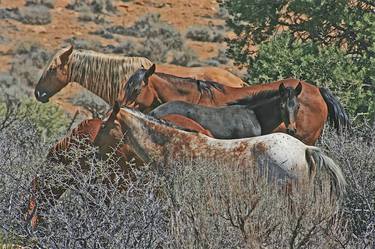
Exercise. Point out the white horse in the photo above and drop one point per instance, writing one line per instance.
(285, 158)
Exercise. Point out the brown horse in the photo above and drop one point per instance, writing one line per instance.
(147, 89)
(81, 136)
(106, 74)
(286, 159)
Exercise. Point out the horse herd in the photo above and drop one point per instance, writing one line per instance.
(163, 114)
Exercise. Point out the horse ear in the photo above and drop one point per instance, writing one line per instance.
(116, 107)
(150, 71)
(298, 89)
(64, 57)
(282, 89)
(115, 110)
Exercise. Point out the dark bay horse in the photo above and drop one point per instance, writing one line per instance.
(287, 159)
(105, 74)
(253, 116)
(146, 89)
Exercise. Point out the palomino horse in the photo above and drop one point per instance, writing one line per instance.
(286, 159)
(106, 74)
(253, 116)
(84, 134)
(146, 89)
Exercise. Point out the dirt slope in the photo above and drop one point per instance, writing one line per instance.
(65, 24)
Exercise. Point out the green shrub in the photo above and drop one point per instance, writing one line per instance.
(48, 119)
(90, 17)
(31, 14)
(48, 3)
(161, 42)
(35, 15)
(343, 23)
(29, 61)
(283, 57)
(205, 33)
(95, 6)
(79, 43)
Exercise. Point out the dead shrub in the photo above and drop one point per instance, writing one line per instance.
(355, 152)
(195, 204)
(225, 206)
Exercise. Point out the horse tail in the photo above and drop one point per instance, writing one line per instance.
(336, 112)
(321, 162)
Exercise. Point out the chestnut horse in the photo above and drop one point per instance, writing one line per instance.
(106, 74)
(215, 74)
(84, 134)
(253, 116)
(286, 159)
(147, 89)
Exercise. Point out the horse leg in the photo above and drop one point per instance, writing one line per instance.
(41, 196)
(187, 123)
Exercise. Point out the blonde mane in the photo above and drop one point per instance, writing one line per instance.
(103, 74)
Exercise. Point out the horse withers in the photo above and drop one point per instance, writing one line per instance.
(255, 115)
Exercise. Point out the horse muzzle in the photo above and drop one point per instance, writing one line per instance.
(291, 132)
(291, 129)
(41, 96)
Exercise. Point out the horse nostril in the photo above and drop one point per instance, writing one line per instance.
(291, 131)
(37, 94)
(41, 96)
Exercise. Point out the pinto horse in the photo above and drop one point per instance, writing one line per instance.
(146, 89)
(286, 159)
(105, 74)
(253, 116)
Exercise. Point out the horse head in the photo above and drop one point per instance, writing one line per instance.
(135, 84)
(55, 75)
(289, 105)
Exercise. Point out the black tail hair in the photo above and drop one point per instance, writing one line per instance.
(336, 112)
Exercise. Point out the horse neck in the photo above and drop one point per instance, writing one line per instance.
(103, 75)
(108, 95)
(141, 138)
(169, 91)
(268, 115)
(230, 94)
